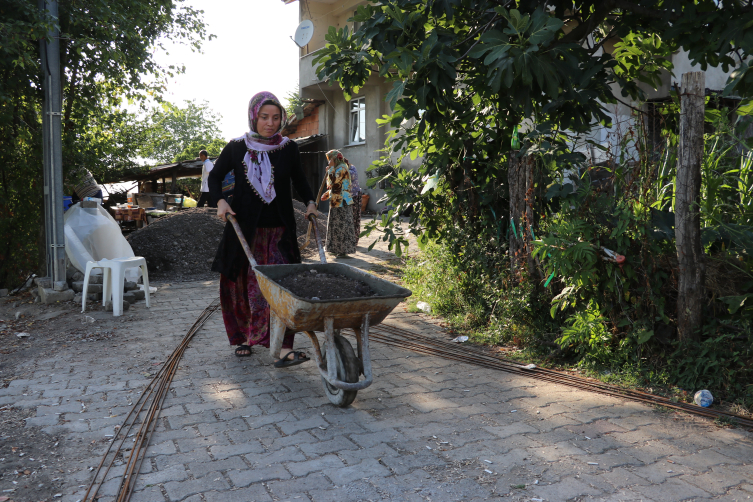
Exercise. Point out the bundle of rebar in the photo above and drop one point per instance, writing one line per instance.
(397, 337)
(144, 414)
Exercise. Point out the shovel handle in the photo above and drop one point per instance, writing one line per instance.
(322, 257)
(244, 243)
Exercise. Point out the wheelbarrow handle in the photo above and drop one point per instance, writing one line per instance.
(244, 242)
(322, 257)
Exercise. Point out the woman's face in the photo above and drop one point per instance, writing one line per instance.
(268, 121)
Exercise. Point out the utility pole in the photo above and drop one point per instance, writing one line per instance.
(53, 156)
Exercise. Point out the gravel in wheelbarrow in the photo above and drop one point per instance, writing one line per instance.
(316, 285)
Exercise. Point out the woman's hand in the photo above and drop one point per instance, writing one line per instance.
(223, 208)
(311, 209)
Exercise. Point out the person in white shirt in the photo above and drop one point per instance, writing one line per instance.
(205, 170)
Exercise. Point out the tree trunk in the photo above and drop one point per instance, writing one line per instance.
(690, 283)
(520, 180)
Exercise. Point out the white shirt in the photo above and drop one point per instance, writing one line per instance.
(205, 170)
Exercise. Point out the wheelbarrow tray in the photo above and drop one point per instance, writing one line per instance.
(304, 314)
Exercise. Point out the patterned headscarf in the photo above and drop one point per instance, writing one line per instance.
(256, 160)
(337, 155)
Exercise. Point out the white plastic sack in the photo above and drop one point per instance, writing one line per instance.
(91, 234)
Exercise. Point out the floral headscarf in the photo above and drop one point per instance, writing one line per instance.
(338, 180)
(336, 154)
(256, 160)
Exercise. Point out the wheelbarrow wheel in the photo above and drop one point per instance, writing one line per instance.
(347, 371)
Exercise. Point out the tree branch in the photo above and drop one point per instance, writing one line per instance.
(587, 26)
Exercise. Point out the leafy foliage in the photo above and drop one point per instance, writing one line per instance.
(467, 76)
(107, 56)
(175, 133)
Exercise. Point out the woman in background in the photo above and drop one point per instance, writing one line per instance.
(341, 239)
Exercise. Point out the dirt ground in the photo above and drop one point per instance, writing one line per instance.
(31, 459)
(323, 286)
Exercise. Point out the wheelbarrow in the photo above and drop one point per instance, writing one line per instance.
(340, 367)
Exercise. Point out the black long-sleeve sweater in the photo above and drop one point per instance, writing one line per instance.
(251, 211)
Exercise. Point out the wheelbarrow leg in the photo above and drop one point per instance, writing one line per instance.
(362, 339)
(276, 334)
(329, 332)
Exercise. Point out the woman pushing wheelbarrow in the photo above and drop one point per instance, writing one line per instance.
(265, 163)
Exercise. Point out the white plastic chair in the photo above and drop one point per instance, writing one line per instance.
(113, 280)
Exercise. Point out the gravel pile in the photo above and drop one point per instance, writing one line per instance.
(182, 246)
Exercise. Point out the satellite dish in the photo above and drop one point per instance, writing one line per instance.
(304, 33)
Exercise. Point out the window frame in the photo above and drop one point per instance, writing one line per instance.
(360, 118)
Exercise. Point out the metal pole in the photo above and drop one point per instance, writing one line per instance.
(53, 150)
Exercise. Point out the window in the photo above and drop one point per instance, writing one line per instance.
(357, 121)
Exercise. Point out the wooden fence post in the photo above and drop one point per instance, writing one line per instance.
(690, 283)
(520, 180)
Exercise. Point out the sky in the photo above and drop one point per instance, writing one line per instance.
(252, 52)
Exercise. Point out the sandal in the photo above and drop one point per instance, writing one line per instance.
(299, 358)
(243, 348)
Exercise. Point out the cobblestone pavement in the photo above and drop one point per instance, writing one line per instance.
(236, 429)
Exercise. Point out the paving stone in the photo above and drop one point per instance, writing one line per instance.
(358, 490)
(246, 477)
(299, 486)
(704, 460)
(180, 421)
(198, 455)
(671, 490)
(230, 450)
(403, 464)
(172, 473)
(179, 490)
(315, 465)
(201, 469)
(369, 468)
(718, 481)
(566, 489)
(378, 452)
(609, 460)
(510, 430)
(164, 448)
(257, 493)
(373, 439)
(148, 494)
(553, 453)
(276, 442)
(661, 471)
(621, 477)
(333, 446)
(287, 454)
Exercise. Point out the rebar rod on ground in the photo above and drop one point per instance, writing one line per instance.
(398, 337)
(151, 398)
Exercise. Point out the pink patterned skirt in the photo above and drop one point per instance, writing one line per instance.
(244, 309)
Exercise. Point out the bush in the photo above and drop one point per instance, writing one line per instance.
(471, 286)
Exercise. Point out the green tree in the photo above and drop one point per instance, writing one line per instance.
(171, 131)
(466, 73)
(213, 148)
(107, 56)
